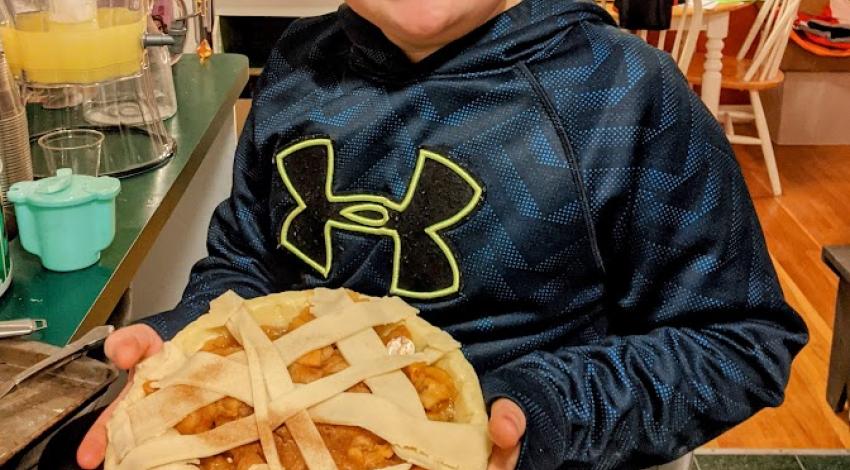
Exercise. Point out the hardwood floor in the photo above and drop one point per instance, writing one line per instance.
(813, 211)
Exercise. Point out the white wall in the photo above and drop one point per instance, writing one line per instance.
(286, 8)
(164, 273)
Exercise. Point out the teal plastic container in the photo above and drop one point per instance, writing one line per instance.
(66, 220)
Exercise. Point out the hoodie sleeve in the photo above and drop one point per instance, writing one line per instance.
(699, 336)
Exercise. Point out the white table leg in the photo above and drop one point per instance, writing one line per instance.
(717, 28)
(218, 47)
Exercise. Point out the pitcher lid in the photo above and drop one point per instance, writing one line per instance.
(64, 190)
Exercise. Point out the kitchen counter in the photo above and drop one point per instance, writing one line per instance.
(73, 303)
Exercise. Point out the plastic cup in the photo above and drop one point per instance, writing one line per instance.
(77, 149)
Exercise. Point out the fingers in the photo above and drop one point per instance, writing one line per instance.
(503, 459)
(125, 348)
(507, 424)
(92, 449)
(128, 346)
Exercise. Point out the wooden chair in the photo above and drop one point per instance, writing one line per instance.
(753, 69)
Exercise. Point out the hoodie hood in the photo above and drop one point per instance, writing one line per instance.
(512, 36)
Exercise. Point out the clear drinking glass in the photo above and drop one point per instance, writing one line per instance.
(77, 149)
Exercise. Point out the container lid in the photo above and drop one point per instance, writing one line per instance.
(64, 190)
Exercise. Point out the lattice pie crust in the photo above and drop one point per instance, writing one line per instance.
(142, 434)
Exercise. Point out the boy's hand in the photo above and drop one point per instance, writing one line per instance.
(507, 426)
(125, 348)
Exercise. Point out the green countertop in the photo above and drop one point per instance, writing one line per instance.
(75, 302)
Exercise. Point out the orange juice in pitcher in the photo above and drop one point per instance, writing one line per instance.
(74, 41)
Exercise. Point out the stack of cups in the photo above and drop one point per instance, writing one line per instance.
(15, 154)
(14, 158)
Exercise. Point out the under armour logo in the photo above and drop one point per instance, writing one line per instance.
(440, 195)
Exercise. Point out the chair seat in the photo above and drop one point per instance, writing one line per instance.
(733, 74)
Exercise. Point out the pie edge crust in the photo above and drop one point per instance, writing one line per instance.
(279, 310)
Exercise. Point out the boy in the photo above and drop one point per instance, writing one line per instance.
(592, 243)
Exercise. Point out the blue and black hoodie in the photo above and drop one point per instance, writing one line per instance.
(548, 190)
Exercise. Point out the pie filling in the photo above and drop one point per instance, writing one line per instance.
(352, 448)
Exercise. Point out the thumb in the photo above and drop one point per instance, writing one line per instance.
(507, 423)
(128, 346)
(92, 449)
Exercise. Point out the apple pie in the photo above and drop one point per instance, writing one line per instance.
(319, 379)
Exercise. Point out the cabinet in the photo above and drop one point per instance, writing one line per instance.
(242, 11)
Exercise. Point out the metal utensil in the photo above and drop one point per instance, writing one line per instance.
(22, 327)
(90, 340)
